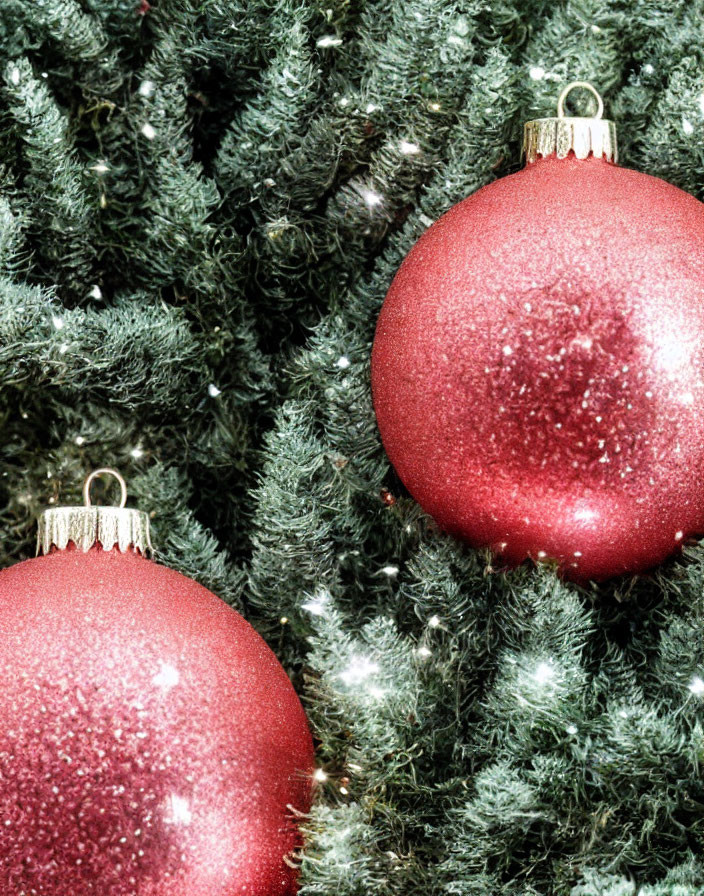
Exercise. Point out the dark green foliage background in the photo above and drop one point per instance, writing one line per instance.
(202, 206)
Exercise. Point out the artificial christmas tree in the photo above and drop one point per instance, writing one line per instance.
(202, 206)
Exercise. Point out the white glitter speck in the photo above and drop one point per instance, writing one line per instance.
(371, 197)
(696, 686)
(544, 673)
(329, 40)
(180, 812)
(317, 604)
(359, 669)
(167, 677)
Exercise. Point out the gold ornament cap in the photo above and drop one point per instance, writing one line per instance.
(90, 524)
(564, 134)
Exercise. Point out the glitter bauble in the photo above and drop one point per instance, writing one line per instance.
(538, 367)
(150, 742)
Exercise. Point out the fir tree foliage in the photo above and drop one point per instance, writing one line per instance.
(202, 205)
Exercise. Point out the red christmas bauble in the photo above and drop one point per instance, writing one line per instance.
(538, 367)
(150, 742)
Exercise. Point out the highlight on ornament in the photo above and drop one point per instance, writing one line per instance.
(538, 363)
(150, 742)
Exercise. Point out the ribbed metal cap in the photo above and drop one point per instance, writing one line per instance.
(564, 134)
(88, 525)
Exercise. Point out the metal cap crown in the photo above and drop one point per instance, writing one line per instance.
(88, 525)
(564, 134)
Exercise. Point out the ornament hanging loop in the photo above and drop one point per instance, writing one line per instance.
(583, 85)
(104, 471)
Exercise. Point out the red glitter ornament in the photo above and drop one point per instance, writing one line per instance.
(150, 742)
(538, 365)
